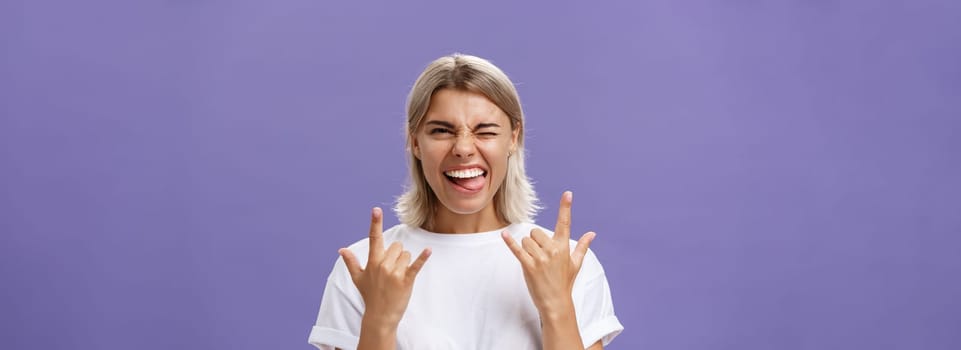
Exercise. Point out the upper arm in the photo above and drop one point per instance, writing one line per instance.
(594, 305)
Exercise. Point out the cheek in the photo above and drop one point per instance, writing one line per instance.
(427, 152)
(496, 151)
(431, 158)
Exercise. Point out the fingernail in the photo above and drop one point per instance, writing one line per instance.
(569, 195)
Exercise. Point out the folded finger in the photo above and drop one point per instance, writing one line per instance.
(391, 255)
(541, 238)
(531, 247)
(403, 260)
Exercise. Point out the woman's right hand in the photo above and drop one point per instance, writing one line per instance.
(388, 279)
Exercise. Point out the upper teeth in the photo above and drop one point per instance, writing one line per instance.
(465, 173)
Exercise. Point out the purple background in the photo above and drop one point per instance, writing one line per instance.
(762, 174)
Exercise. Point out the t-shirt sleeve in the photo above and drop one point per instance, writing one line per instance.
(341, 310)
(593, 304)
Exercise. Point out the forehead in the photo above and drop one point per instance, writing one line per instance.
(463, 107)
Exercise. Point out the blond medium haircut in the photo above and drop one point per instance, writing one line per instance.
(515, 200)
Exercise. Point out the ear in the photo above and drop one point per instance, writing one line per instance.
(515, 133)
(415, 148)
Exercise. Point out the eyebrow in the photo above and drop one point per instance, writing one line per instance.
(451, 126)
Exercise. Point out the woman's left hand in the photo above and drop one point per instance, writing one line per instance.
(549, 265)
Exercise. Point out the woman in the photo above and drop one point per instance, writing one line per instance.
(486, 277)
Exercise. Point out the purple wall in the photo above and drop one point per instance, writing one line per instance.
(762, 175)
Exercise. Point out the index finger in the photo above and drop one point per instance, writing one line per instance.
(376, 233)
(562, 231)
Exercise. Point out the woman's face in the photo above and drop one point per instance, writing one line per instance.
(463, 145)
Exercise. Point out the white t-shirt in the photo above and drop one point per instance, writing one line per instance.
(470, 294)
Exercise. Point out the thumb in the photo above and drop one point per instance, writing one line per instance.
(577, 257)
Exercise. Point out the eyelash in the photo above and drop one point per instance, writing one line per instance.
(442, 130)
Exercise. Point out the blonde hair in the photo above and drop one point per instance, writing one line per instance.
(515, 200)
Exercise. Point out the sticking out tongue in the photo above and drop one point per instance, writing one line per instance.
(471, 184)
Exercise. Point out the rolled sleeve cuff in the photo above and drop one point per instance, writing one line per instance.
(604, 330)
(328, 339)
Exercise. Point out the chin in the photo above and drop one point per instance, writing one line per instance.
(464, 206)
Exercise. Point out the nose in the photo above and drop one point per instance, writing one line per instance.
(464, 146)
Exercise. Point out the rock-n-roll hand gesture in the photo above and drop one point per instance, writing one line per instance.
(388, 279)
(549, 265)
(549, 269)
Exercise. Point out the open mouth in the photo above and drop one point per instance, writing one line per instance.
(467, 180)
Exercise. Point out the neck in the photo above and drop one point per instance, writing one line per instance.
(447, 221)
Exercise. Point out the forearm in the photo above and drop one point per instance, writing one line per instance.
(559, 329)
(377, 334)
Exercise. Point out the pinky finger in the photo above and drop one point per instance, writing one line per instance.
(419, 263)
(577, 257)
(353, 266)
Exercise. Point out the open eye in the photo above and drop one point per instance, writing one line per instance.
(440, 131)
